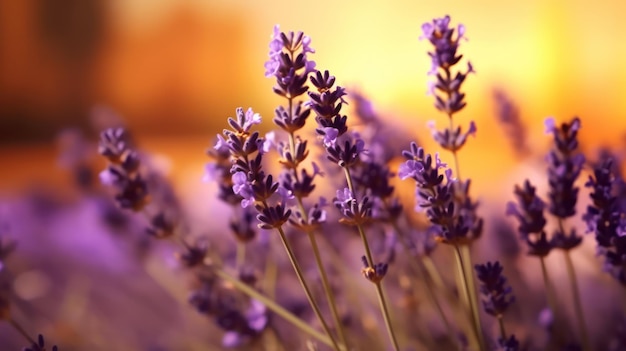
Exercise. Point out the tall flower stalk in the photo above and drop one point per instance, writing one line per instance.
(496, 297)
(290, 66)
(449, 99)
(344, 149)
(529, 212)
(565, 164)
(259, 189)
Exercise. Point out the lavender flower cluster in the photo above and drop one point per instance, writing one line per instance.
(426, 282)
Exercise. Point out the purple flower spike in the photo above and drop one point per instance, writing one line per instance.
(496, 295)
(243, 188)
(288, 62)
(605, 218)
(565, 165)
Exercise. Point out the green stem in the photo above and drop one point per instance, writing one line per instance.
(419, 268)
(276, 308)
(386, 316)
(305, 286)
(502, 330)
(318, 260)
(241, 254)
(433, 272)
(327, 289)
(370, 262)
(271, 271)
(577, 303)
(473, 307)
(21, 330)
(467, 258)
(552, 301)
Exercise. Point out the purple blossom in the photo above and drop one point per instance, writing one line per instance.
(410, 169)
(212, 172)
(565, 163)
(443, 58)
(330, 136)
(288, 62)
(221, 145)
(276, 46)
(496, 295)
(243, 188)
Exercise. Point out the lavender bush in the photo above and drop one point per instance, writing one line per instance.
(319, 250)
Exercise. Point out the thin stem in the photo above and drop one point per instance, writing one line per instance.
(386, 317)
(327, 289)
(473, 307)
(318, 260)
(21, 330)
(368, 251)
(370, 262)
(502, 330)
(305, 286)
(271, 271)
(552, 302)
(571, 272)
(417, 268)
(467, 258)
(433, 272)
(276, 308)
(241, 254)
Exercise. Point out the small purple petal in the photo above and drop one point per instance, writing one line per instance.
(330, 136)
(550, 125)
(211, 172)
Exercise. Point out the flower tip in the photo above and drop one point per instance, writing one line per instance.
(472, 129)
(550, 125)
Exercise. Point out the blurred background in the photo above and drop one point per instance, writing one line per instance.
(174, 70)
(178, 68)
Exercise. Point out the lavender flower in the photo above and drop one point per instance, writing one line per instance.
(326, 103)
(249, 180)
(509, 117)
(355, 212)
(291, 70)
(529, 213)
(605, 218)
(565, 164)
(122, 172)
(452, 140)
(376, 273)
(444, 58)
(456, 223)
(496, 295)
(224, 306)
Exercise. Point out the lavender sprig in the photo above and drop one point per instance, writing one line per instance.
(529, 213)
(565, 165)
(605, 218)
(509, 117)
(449, 99)
(443, 58)
(496, 295)
(345, 150)
(259, 189)
(292, 72)
(453, 224)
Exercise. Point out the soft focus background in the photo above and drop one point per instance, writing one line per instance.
(175, 69)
